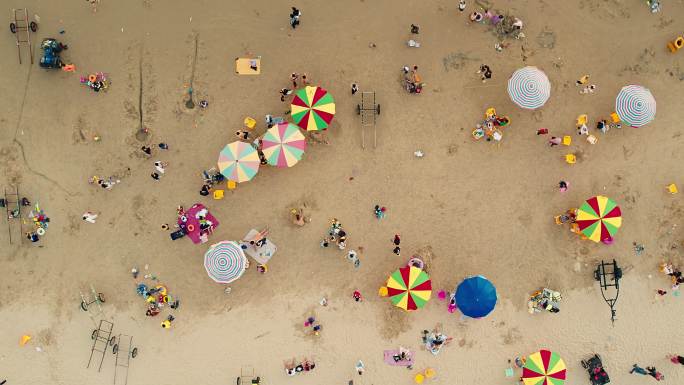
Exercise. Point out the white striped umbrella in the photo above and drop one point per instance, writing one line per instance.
(225, 261)
(529, 88)
(635, 105)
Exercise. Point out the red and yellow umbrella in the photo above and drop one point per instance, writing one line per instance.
(409, 288)
(544, 368)
(599, 218)
(312, 108)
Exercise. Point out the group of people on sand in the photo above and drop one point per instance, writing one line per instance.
(336, 234)
(292, 368)
(674, 273)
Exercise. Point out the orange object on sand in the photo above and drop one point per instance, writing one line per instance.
(675, 45)
(24, 339)
(69, 68)
(614, 117)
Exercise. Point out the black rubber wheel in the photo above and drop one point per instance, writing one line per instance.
(134, 352)
(115, 348)
(238, 381)
(34, 26)
(13, 28)
(101, 297)
(358, 109)
(94, 335)
(2, 202)
(112, 341)
(84, 306)
(584, 364)
(377, 109)
(597, 356)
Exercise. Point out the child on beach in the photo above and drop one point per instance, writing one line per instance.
(293, 77)
(462, 5)
(357, 296)
(283, 93)
(294, 17)
(485, 72)
(89, 217)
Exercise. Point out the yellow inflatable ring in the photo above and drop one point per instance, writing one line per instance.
(92, 78)
(162, 289)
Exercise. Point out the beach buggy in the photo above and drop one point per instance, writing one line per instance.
(597, 375)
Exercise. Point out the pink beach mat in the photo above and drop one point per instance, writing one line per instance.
(389, 358)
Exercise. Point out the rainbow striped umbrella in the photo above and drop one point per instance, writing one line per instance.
(225, 262)
(529, 88)
(599, 218)
(313, 108)
(409, 288)
(238, 161)
(544, 368)
(635, 105)
(283, 145)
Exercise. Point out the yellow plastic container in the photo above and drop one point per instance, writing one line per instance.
(250, 122)
(419, 378)
(218, 194)
(582, 119)
(567, 140)
(570, 158)
(672, 188)
(231, 185)
(614, 117)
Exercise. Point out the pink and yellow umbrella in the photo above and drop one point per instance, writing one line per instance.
(544, 368)
(238, 161)
(312, 108)
(283, 145)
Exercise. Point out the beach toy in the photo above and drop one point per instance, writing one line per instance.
(250, 122)
(582, 119)
(218, 194)
(478, 133)
(672, 188)
(231, 185)
(570, 158)
(430, 373)
(490, 113)
(567, 140)
(592, 139)
(441, 295)
(92, 78)
(607, 241)
(24, 339)
(40, 231)
(382, 292)
(675, 45)
(69, 68)
(419, 378)
(191, 228)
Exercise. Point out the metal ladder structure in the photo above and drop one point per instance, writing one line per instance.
(21, 27)
(12, 206)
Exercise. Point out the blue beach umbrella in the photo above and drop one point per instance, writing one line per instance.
(476, 296)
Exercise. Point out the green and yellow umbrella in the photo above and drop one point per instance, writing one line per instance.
(409, 288)
(599, 218)
(312, 108)
(544, 368)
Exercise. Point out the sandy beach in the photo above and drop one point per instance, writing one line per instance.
(471, 207)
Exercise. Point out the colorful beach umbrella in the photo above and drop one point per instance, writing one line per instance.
(529, 88)
(409, 288)
(225, 261)
(635, 105)
(312, 108)
(283, 145)
(544, 368)
(238, 161)
(476, 297)
(599, 218)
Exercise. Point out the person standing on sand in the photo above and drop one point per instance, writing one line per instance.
(354, 88)
(293, 77)
(675, 358)
(283, 93)
(294, 17)
(360, 367)
(89, 217)
(462, 5)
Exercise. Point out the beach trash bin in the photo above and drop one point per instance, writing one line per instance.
(570, 158)
(672, 188)
(250, 123)
(218, 194)
(419, 378)
(567, 140)
(231, 185)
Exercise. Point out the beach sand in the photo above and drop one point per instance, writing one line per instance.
(477, 207)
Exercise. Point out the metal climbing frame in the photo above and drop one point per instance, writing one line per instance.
(102, 337)
(369, 110)
(21, 27)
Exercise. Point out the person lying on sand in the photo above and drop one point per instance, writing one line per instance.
(297, 217)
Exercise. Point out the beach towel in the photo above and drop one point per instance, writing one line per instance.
(243, 66)
(262, 254)
(389, 358)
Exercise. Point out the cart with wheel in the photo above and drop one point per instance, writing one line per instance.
(98, 298)
(123, 350)
(21, 27)
(12, 204)
(247, 377)
(369, 110)
(102, 338)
